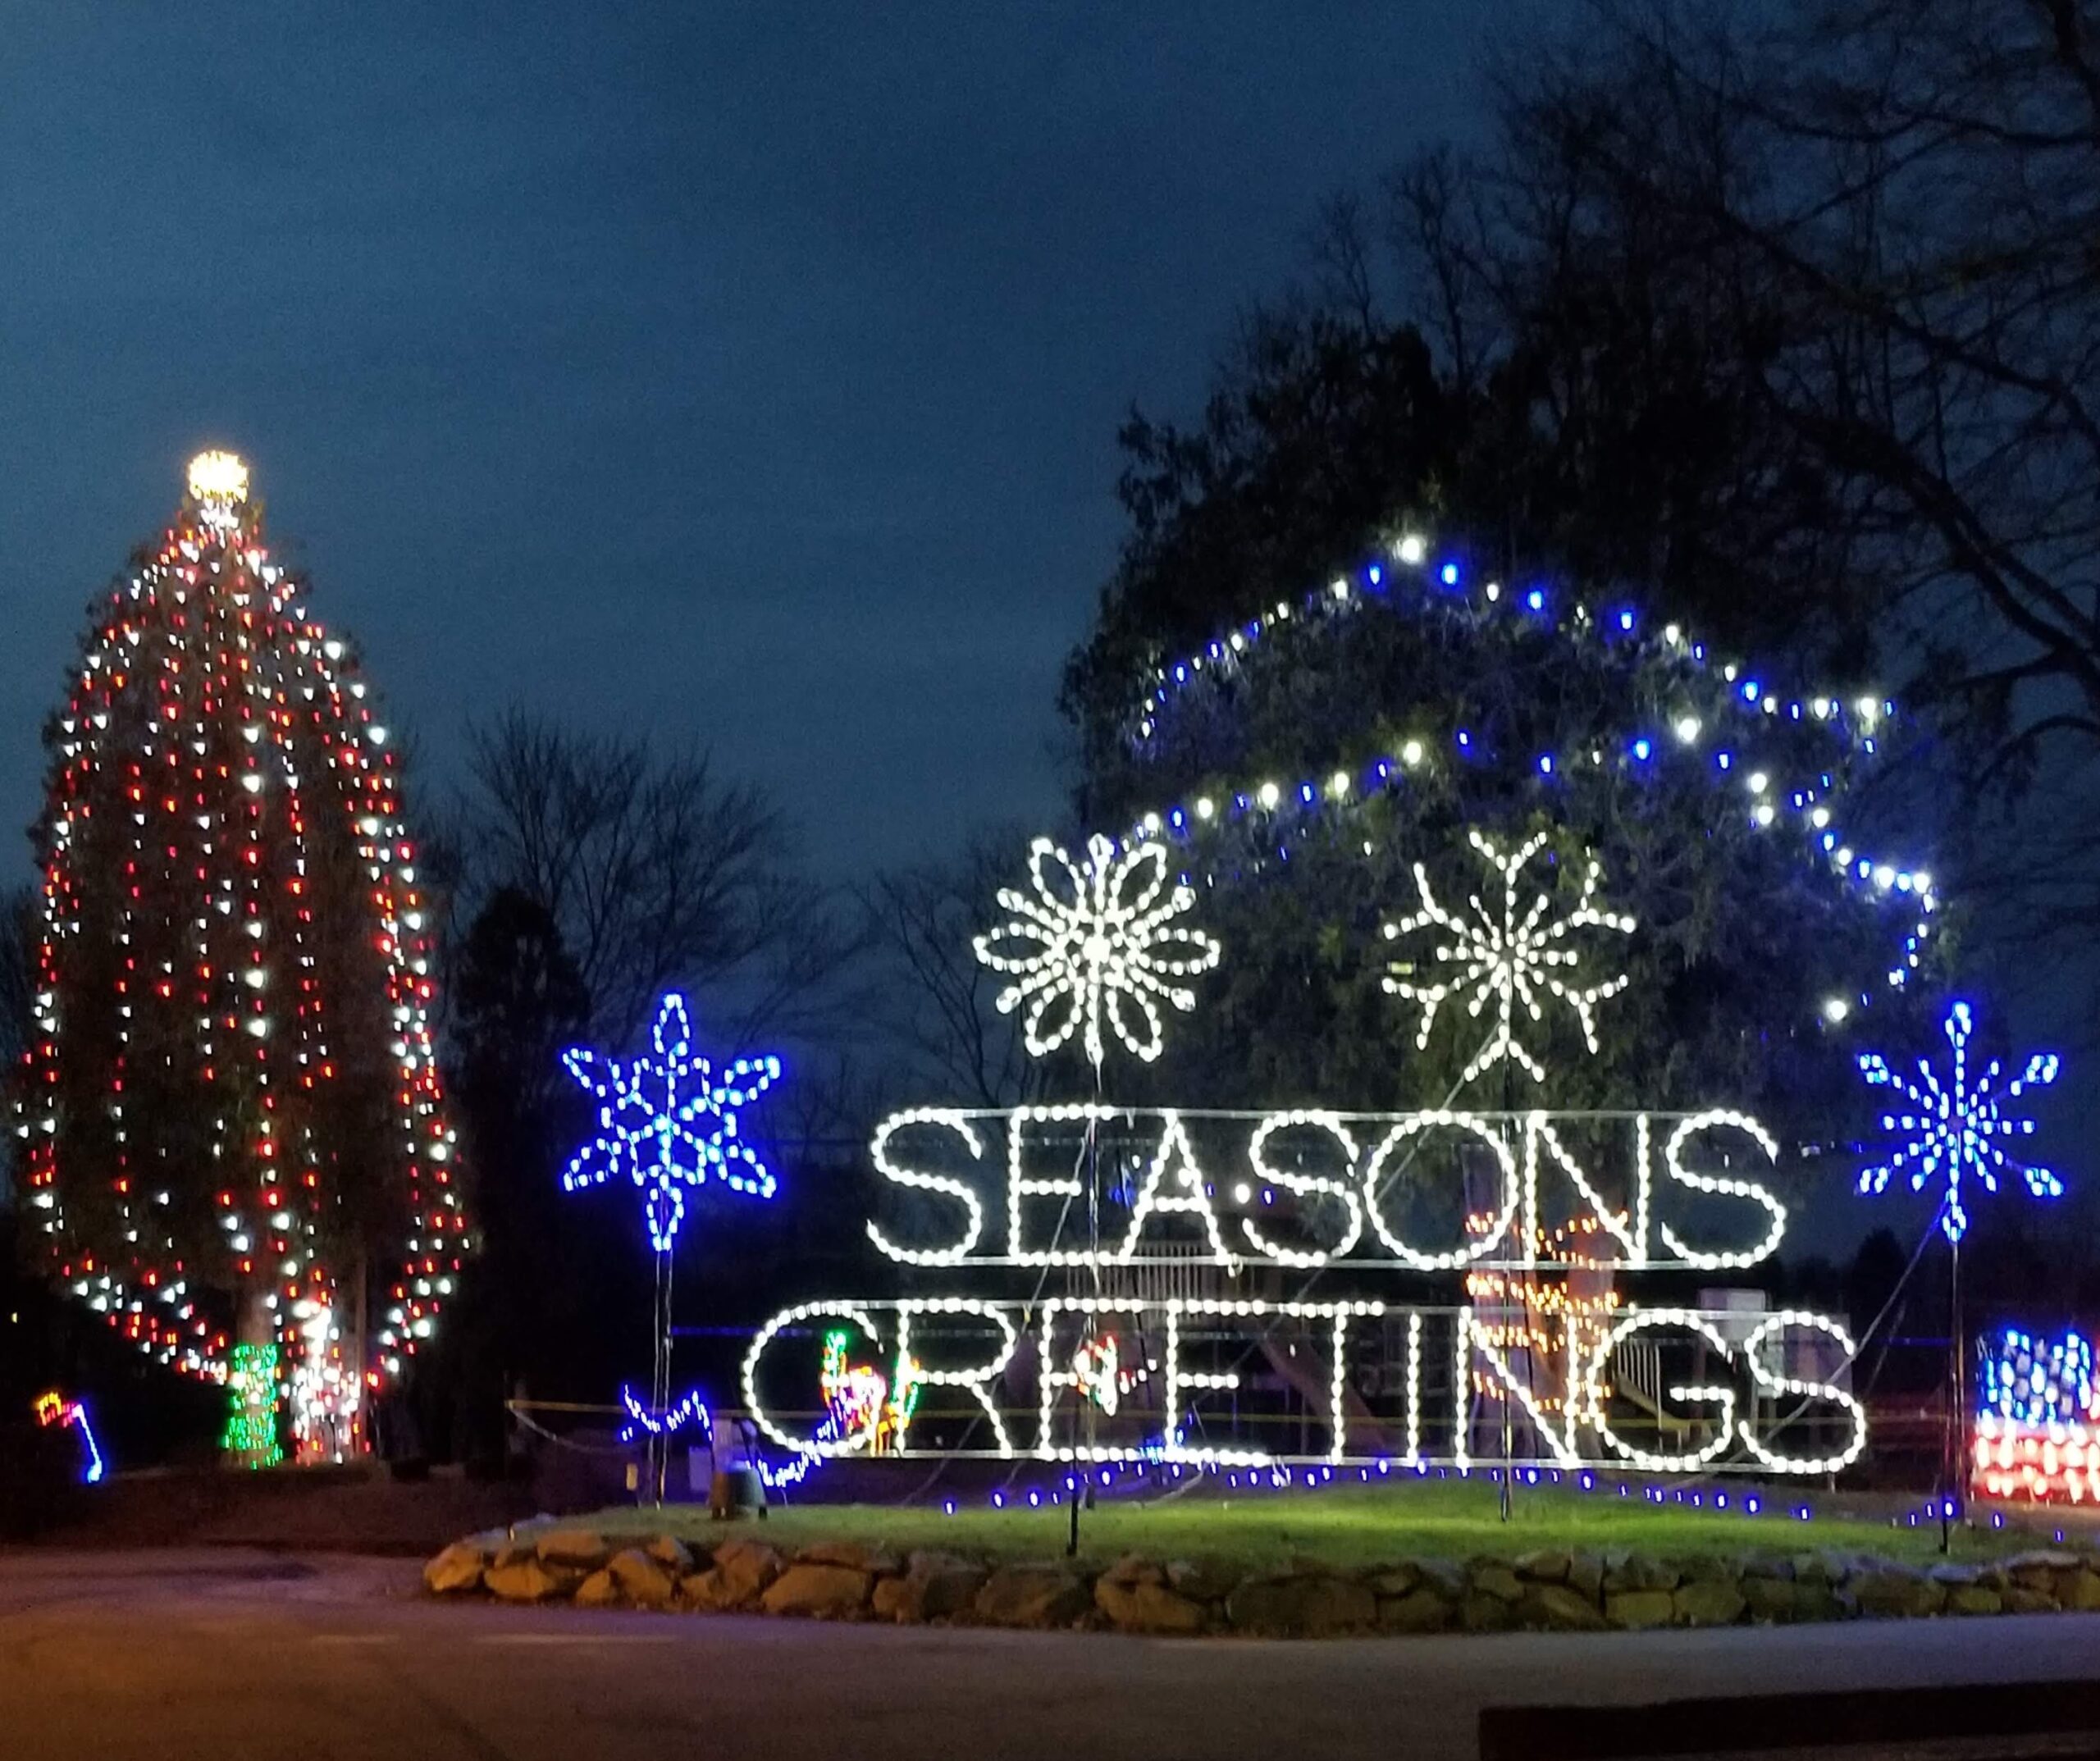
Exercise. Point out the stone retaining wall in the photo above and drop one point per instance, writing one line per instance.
(1559, 1590)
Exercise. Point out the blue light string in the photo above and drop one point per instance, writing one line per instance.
(1186, 820)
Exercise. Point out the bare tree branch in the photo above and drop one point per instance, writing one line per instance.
(658, 873)
(919, 922)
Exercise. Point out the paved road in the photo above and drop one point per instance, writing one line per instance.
(240, 1656)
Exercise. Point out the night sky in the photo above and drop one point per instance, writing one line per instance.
(748, 375)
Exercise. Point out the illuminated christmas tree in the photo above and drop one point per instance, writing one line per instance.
(235, 1137)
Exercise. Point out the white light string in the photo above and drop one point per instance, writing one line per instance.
(1764, 803)
(1105, 951)
(1734, 1442)
(269, 670)
(1173, 1184)
(1741, 695)
(1500, 959)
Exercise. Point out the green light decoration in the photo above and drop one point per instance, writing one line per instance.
(250, 1437)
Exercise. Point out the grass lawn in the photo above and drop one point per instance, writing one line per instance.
(1352, 1525)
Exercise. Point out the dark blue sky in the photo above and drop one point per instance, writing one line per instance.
(744, 373)
(739, 372)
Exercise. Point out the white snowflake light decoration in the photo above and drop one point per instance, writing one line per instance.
(1505, 958)
(1957, 1128)
(1097, 941)
(669, 1122)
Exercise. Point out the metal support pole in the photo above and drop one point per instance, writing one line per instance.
(658, 1458)
(1084, 1489)
(1954, 1491)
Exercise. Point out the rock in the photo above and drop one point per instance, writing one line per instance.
(671, 1554)
(1490, 1579)
(2018, 1599)
(1546, 1566)
(1146, 1606)
(1951, 1572)
(705, 1590)
(745, 1568)
(1032, 1595)
(937, 1585)
(1816, 1601)
(1201, 1580)
(1480, 1614)
(457, 1569)
(529, 1580)
(925, 1561)
(513, 1552)
(1636, 1609)
(1442, 1575)
(1640, 1571)
(1888, 1592)
(1305, 1607)
(1134, 1568)
(643, 1581)
(1770, 1598)
(1972, 1598)
(822, 1591)
(1585, 1574)
(577, 1549)
(2079, 1590)
(1709, 1568)
(1767, 1565)
(949, 1589)
(1812, 1568)
(598, 1591)
(1708, 1602)
(1559, 1609)
(1421, 1610)
(2026, 1567)
(1394, 1580)
(877, 1562)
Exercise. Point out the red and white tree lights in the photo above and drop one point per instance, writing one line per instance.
(232, 1120)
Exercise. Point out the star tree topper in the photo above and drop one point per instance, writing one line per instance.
(1958, 1126)
(1506, 959)
(667, 1123)
(1096, 946)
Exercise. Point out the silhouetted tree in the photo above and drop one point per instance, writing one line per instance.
(534, 1315)
(658, 873)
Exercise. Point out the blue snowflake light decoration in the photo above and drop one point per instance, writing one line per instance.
(1957, 1127)
(669, 1122)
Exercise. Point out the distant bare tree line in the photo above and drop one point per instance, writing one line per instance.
(658, 872)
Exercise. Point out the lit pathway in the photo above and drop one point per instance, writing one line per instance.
(240, 1656)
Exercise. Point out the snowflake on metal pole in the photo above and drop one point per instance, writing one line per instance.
(1958, 1125)
(1506, 959)
(668, 1122)
(1096, 946)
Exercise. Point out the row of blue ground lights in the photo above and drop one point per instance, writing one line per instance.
(1284, 1477)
